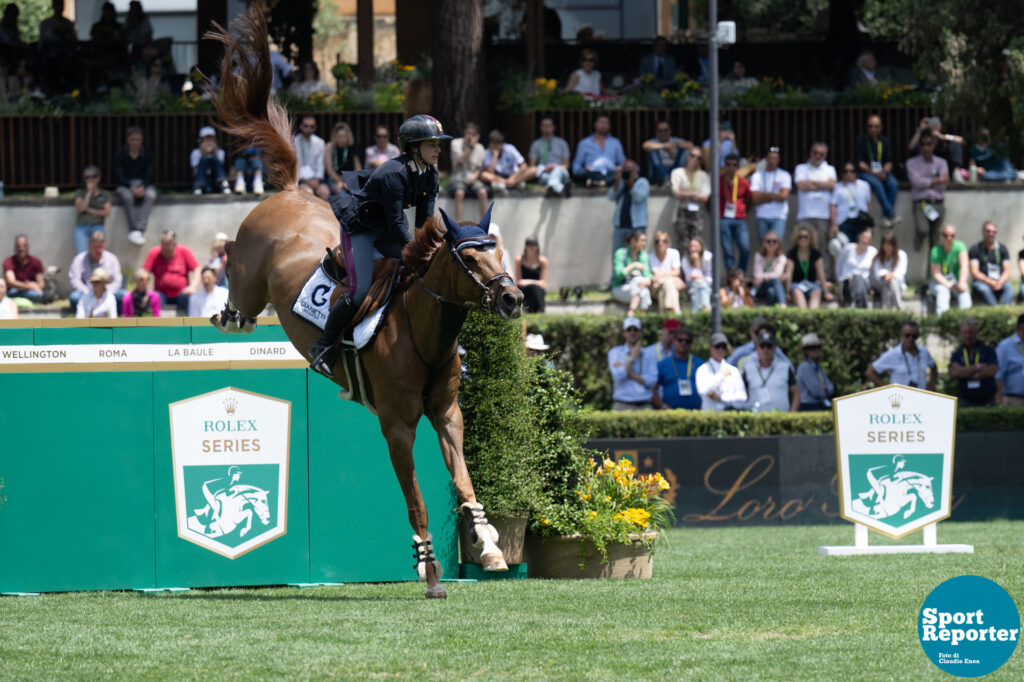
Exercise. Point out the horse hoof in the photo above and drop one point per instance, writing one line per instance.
(436, 592)
(493, 562)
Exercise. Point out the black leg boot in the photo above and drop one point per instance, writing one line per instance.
(322, 351)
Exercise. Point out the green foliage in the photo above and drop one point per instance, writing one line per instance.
(31, 14)
(994, 323)
(779, 16)
(887, 93)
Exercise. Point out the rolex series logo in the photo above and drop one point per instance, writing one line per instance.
(230, 405)
(895, 400)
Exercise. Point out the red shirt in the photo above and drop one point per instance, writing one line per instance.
(725, 196)
(170, 276)
(24, 272)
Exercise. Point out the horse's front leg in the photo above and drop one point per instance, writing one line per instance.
(913, 507)
(248, 523)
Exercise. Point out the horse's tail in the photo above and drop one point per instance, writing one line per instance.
(244, 101)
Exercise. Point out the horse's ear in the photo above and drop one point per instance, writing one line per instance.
(449, 225)
(485, 222)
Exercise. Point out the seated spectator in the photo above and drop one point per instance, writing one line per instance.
(974, 366)
(667, 281)
(249, 172)
(947, 146)
(504, 167)
(665, 153)
(662, 348)
(631, 274)
(585, 80)
(141, 301)
(207, 161)
(758, 326)
(659, 64)
(1010, 375)
(310, 149)
(629, 192)
(219, 258)
(873, 153)
(99, 301)
(381, 150)
(108, 29)
(598, 156)
(853, 269)
(733, 199)
(889, 272)
(209, 299)
(691, 188)
(94, 256)
(737, 80)
(341, 155)
(535, 346)
(634, 372)
(157, 77)
(769, 270)
(93, 205)
(949, 265)
(909, 363)
(175, 271)
(989, 165)
(805, 270)
(309, 83)
(726, 144)
(850, 198)
(677, 375)
(990, 268)
(133, 171)
(769, 191)
(735, 294)
(467, 156)
(696, 268)
(532, 275)
(771, 381)
(863, 72)
(719, 384)
(8, 310)
(549, 160)
(25, 274)
(816, 389)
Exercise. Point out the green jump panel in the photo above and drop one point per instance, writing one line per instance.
(151, 334)
(17, 337)
(50, 336)
(263, 332)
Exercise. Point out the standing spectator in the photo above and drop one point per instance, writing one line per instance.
(598, 156)
(816, 389)
(909, 363)
(990, 166)
(108, 29)
(758, 326)
(990, 267)
(629, 192)
(10, 34)
(175, 271)
(25, 274)
(93, 205)
(309, 83)
(769, 190)
(133, 171)
(99, 301)
(467, 162)
(696, 267)
(733, 197)
(665, 266)
(815, 181)
(974, 366)
(141, 301)
(769, 270)
(949, 266)
(94, 256)
(665, 153)
(719, 384)
(56, 55)
(209, 299)
(137, 29)
(549, 160)
(634, 372)
(310, 149)
(889, 272)
(281, 68)
(805, 270)
(532, 275)
(340, 155)
(1010, 376)
(249, 172)
(691, 187)
(504, 167)
(382, 149)
(873, 153)
(726, 144)
(662, 348)
(929, 176)
(853, 269)
(734, 293)
(219, 258)
(207, 161)
(8, 311)
(677, 375)
(631, 274)
(771, 381)
(659, 63)
(849, 204)
(585, 80)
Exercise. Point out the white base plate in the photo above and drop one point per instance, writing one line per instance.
(850, 550)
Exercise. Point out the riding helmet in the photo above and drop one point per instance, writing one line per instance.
(418, 128)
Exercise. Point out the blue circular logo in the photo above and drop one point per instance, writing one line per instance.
(968, 626)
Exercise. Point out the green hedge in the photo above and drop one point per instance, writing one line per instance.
(681, 423)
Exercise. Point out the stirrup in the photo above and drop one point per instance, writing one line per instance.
(476, 520)
(423, 552)
(320, 363)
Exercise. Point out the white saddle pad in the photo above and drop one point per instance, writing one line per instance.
(314, 304)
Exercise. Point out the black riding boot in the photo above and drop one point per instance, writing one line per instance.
(322, 351)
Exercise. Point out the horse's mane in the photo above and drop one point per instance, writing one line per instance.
(418, 253)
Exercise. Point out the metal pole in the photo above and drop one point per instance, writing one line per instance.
(716, 227)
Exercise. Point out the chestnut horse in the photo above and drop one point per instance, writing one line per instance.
(411, 367)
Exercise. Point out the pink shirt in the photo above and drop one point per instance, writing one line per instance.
(774, 271)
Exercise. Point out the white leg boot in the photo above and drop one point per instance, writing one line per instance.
(484, 536)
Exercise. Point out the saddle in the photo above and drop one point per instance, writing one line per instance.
(385, 271)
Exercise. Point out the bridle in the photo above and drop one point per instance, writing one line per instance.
(486, 295)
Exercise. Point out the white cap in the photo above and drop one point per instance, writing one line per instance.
(535, 342)
(631, 322)
(207, 131)
(220, 237)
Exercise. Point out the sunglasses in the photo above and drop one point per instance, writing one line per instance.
(91, 177)
(771, 241)
(661, 241)
(721, 346)
(632, 329)
(948, 236)
(910, 336)
(381, 136)
(849, 170)
(731, 164)
(812, 347)
(803, 236)
(684, 339)
(588, 59)
(766, 345)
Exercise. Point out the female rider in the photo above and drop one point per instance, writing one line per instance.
(371, 212)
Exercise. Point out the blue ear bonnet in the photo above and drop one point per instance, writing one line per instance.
(468, 236)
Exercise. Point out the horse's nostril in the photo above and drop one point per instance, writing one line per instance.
(509, 301)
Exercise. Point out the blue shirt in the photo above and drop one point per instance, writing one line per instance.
(638, 202)
(624, 388)
(1010, 355)
(678, 381)
(979, 391)
(588, 153)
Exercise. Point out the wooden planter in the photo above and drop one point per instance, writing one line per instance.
(511, 533)
(560, 557)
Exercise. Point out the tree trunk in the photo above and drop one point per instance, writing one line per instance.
(458, 75)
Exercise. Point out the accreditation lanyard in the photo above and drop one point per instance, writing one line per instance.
(764, 379)
(768, 264)
(947, 262)
(735, 188)
(547, 150)
(878, 154)
(689, 366)
(907, 363)
(805, 265)
(632, 363)
(967, 356)
(683, 386)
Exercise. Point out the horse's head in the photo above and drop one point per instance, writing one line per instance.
(923, 485)
(257, 497)
(477, 254)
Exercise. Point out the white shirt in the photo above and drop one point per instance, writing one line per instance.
(7, 308)
(195, 155)
(670, 263)
(701, 183)
(90, 306)
(768, 387)
(689, 269)
(311, 154)
(850, 199)
(772, 182)
(723, 379)
(205, 304)
(588, 82)
(899, 273)
(851, 263)
(909, 369)
(814, 204)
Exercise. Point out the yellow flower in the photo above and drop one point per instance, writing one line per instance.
(592, 514)
(665, 94)
(609, 465)
(635, 515)
(586, 497)
(76, 92)
(663, 485)
(607, 498)
(546, 522)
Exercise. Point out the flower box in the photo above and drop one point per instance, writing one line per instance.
(573, 556)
